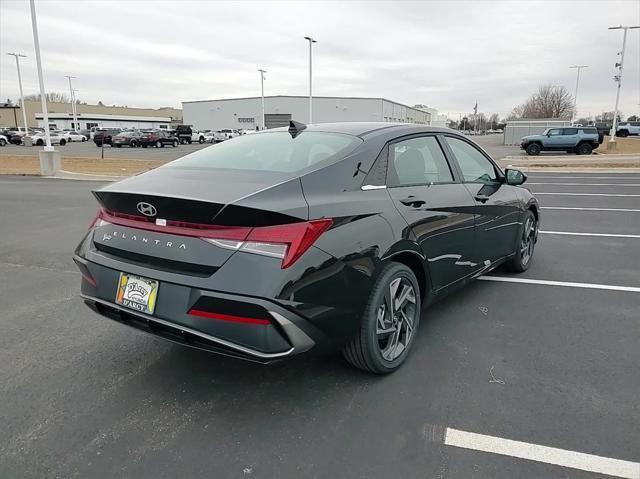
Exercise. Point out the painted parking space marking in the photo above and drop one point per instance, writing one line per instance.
(586, 184)
(626, 210)
(620, 177)
(605, 235)
(568, 284)
(581, 194)
(545, 454)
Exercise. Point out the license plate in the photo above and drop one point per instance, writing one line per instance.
(137, 293)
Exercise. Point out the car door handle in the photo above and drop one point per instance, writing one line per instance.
(412, 201)
(482, 198)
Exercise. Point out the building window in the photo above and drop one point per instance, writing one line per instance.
(91, 125)
(164, 126)
(246, 120)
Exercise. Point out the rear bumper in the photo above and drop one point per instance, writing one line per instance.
(286, 334)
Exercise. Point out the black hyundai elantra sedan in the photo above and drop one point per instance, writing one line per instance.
(312, 238)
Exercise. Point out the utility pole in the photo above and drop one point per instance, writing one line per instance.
(311, 42)
(262, 72)
(475, 118)
(618, 79)
(22, 107)
(73, 104)
(575, 95)
(75, 107)
(43, 97)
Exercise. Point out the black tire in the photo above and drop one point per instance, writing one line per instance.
(175, 143)
(533, 149)
(39, 143)
(189, 141)
(119, 145)
(83, 139)
(623, 133)
(584, 149)
(527, 238)
(3, 142)
(144, 146)
(365, 351)
(133, 144)
(201, 140)
(159, 144)
(62, 142)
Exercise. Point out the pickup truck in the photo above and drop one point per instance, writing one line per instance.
(572, 139)
(224, 134)
(627, 128)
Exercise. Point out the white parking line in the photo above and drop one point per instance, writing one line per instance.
(588, 209)
(548, 455)
(587, 184)
(606, 235)
(586, 177)
(508, 279)
(536, 193)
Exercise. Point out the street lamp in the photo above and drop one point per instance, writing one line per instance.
(43, 98)
(311, 42)
(618, 79)
(24, 112)
(575, 96)
(73, 104)
(262, 72)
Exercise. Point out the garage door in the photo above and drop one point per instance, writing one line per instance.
(276, 120)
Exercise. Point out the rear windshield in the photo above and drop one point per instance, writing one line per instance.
(275, 151)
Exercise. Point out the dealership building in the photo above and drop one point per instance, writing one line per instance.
(102, 116)
(245, 113)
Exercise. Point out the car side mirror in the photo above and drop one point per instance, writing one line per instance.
(514, 177)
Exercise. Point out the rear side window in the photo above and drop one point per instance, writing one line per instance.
(570, 131)
(418, 161)
(274, 151)
(474, 165)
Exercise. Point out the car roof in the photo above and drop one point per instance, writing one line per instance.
(369, 128)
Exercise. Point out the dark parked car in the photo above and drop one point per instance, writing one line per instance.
(158, 138)
(317, 237)
(105, 135)
(126, 138)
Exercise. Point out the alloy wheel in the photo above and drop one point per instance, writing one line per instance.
(396, 318)
(528, 240)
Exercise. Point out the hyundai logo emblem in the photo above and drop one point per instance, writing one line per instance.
(147, 209)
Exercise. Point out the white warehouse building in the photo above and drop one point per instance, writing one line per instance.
(61, 121)
(245, 113)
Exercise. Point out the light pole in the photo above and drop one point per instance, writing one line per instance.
(575, 96)
(311, 42)
(618, 79)
(262, 72)
(24, 112)
(73, 104)
(43, 98)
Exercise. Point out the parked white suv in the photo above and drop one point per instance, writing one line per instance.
(627, 128)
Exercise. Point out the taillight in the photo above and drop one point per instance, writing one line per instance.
(287, 242)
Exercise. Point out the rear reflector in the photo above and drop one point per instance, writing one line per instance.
(227, 317)
(287, 242)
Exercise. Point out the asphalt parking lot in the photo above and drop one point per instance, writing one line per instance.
(550, 361)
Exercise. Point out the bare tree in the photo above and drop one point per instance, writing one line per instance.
(52, 96)
(494, 119)
(548, 102)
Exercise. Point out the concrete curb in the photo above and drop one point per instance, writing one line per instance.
(70, 175)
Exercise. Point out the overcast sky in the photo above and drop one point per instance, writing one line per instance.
(445, 54)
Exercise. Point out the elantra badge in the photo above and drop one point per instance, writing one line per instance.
(147, 209)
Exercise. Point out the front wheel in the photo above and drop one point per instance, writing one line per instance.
(175, 143)
(623, 133)
(3, 142)
(159, 144)
(201, 140)
(389, 322)
(533, 149)
(63, 142)
(524, 253)
(83, 139)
